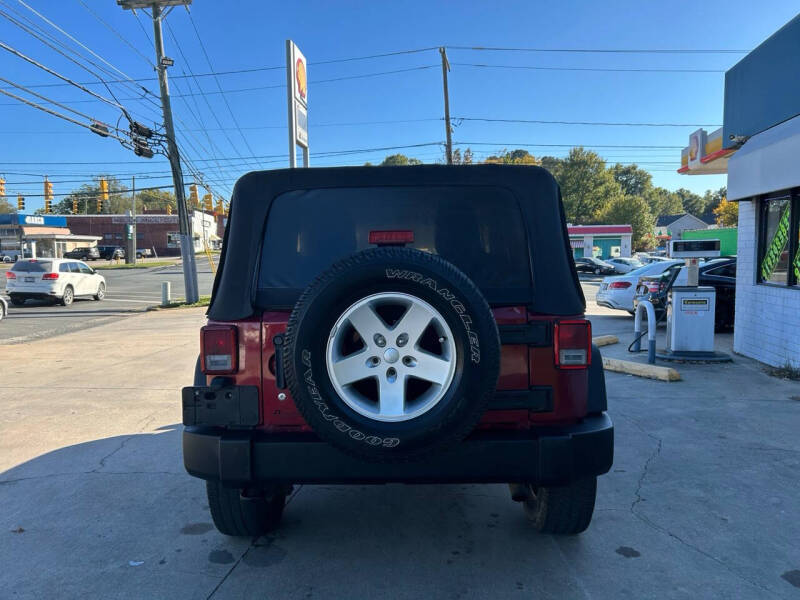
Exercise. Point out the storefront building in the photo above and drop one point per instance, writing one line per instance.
(34, 236)
(761, 142)
(600, 241)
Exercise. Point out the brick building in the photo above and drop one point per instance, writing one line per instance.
(155, 231)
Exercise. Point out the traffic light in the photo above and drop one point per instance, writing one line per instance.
(169, 209)
(74, 206)
(2, 187)
(48, 196)
(20, 203)
(208, 202)
(193, 198)
(103, 195)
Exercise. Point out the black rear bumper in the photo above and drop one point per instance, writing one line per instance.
(549, 455)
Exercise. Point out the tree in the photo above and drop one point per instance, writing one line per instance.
(712, 200)
(692, 203)
(633, 180)
(663, 202)
(514, 157)
(633, 211)
(88, 194)
(462, 159)
(727, 213)
(155, 200)
(6, 207)
(401, 160)
(586, 185)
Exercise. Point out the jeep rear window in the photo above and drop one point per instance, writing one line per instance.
(32, 267)
(478, 229)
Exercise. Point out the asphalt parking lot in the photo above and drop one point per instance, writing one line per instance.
(701, 501)
(129, 291)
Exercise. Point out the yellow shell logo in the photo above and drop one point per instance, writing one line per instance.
(300, 76)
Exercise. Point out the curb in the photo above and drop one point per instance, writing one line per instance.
(641, 369)
(604, 340)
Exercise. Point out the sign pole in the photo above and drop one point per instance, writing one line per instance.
(290, 103)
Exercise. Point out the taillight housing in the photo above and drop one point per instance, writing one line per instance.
(11, 275)
(395, 237)
(619, 285)
(49, 276)
(573, 344)
(220, 349)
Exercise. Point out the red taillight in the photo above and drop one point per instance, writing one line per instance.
(220, 349)
(653, 286)
(11, 275)
(573, 344)
(51, 276)
(619, 285)
(391, 238)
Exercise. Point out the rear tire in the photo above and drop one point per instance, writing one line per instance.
(16, 300)
(2, 311)
(246, 513)
(565, 510)
(68, 296)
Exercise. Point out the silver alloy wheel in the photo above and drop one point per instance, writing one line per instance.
(101, 291)
(391, 371)
(68, 296)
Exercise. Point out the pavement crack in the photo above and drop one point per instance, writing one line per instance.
(233, 567)
(638, 493)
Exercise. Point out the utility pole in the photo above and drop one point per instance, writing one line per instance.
(445, 69)
(162, 62)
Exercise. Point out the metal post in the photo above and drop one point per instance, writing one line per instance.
(166, 293)
(445, 69)
(184, 221)
(130, 250)
(290, 104)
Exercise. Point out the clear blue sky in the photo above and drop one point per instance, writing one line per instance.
(250, 34)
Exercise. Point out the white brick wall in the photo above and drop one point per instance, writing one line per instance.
(767, 318)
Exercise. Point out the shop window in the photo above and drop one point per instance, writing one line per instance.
(779, 241)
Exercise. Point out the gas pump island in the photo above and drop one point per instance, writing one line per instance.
(690, 309)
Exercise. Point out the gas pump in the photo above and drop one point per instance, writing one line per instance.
(690, 309)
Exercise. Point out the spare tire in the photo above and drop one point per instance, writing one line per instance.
(392, 354)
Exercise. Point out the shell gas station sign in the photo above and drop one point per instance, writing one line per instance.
(705, 155)
(297, 97)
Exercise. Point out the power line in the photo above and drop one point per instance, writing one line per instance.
(601, 123)
(601, 50)
(59, 115)
(595, 69)
(518, 145)
(219, 86)
(117, 33)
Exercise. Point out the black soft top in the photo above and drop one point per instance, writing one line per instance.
(555, 287)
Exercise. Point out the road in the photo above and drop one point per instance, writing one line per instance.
(701, 501)
(129, 291)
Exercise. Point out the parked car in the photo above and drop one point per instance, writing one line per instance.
(618, 291)
(589, 264)
(382, 303)
(719, 273)
(84, 254)
(143, 252)
(3, 308)
(55, 279)
(111, 252)
(624, 264)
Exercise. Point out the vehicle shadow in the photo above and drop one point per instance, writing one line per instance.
(119, 517)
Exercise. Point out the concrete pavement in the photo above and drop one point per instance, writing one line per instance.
(701, 501)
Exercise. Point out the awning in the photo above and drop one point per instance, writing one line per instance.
(28, 231)
(766, 163)
(576, 243)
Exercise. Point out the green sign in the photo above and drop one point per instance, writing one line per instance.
(776, 246)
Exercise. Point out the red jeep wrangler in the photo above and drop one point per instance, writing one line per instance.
(397, 324)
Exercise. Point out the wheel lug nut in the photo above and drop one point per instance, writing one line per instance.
(373, 361)
(391, 375)
(379, 340)
(409, 361)
(402, 339)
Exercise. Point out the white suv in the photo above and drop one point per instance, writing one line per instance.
(56, 279)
